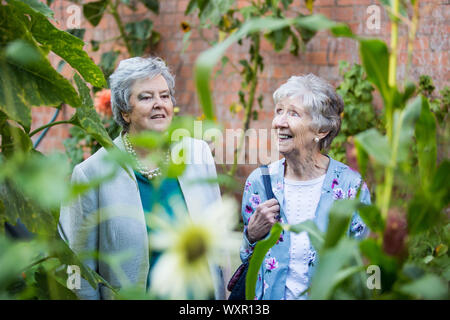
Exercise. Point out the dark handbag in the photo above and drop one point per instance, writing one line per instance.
(236, 285)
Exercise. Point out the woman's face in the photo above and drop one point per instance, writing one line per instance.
(151, 105)
(293, 125)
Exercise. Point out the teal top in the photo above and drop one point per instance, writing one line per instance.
(150, 195)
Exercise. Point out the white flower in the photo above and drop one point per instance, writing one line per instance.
(189, 246)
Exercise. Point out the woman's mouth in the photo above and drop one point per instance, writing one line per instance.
(284, 137)
(158, 116)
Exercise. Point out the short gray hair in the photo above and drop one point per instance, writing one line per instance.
(319, 99)
(126, 74)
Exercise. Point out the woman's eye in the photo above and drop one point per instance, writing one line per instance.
(278, 111)
(165, 96)
(294, 114)
(146, 97)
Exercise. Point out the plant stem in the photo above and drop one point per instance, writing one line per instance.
(249, 104)
(389, 170)
(394, 43)
(51, 124)
(123, 34)
(411, 36)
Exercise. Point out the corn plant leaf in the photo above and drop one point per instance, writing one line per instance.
(339, 221)
(425, 132)
(404, 125)
(315, 235)
(428, 286)
(375, 145)
(388, 265)
(375, 59)
(260, 251)
(329, 269)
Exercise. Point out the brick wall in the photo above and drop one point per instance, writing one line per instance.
(320, 57)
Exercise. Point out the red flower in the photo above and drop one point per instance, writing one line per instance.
(102, 102)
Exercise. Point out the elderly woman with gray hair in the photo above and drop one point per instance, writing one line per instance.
(110, 220)
(305, 183)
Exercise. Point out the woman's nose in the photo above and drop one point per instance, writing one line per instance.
(280, 121)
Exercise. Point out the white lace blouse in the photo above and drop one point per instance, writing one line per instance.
(301, 200)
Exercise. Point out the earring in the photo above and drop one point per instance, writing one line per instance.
(316, 140)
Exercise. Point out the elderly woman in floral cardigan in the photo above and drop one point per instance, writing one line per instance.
(305, 183)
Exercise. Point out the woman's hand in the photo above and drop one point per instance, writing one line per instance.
(262, 220)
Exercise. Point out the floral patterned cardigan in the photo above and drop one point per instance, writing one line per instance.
(341, 182)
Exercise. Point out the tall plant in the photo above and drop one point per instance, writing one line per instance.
(406, 204)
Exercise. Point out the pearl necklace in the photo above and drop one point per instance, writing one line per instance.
(149, 174)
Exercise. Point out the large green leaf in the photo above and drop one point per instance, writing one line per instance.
(375, 59)
(65, 45)
(260, 251)
(27, 80)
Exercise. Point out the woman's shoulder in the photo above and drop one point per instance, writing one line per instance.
(96, 164)
(274, 168)
(344, 171)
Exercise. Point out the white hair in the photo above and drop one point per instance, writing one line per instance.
(126, 74)
(319, 99)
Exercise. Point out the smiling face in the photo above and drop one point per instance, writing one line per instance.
(293, 125)
(151, 105)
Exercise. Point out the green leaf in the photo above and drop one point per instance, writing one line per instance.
(375, 59)
(152, 5)
(371, 216)
(39, 7)
(16, 136)
(429, 286)
(260, 251)
(425, 132)
(65, 45)
(93, 11)
(87, 118)
(17, 205)
(339, 221)
(388, 265)
(315, 235)
(375, 145)
(404, 124)
(15, 256)
(328, 272)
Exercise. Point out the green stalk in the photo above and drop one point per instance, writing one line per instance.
(392, 81)
(123, 34)
(249, 105)
(32, 133)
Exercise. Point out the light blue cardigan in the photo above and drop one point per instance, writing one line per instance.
(341, 182)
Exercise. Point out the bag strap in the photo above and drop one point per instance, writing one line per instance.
(267, 184)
